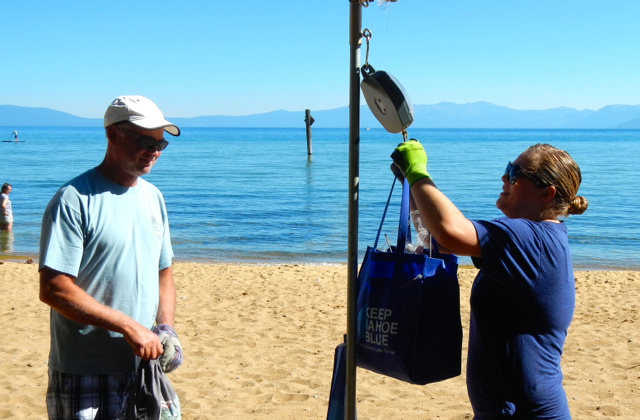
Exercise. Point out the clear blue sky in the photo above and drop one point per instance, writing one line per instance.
(212, 57)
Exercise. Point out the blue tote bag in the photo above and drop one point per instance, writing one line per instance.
(408, 309)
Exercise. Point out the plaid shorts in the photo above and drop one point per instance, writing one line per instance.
(87, 397)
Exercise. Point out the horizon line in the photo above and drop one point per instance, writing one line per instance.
(344, 106)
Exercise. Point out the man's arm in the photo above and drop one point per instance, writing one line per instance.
(59, 292)
(167, 304)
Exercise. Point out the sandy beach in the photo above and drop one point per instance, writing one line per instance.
(259, 343)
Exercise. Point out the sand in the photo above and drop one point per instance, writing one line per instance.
(259, 343)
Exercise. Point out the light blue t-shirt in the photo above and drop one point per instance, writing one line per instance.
(113, 240)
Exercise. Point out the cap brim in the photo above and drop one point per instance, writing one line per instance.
(172, 129)
(146, 124)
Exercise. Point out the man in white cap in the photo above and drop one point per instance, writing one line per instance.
(105, 270)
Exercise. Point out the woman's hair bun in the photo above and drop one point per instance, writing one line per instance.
(578, 205)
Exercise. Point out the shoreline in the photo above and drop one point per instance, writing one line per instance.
(249, 262)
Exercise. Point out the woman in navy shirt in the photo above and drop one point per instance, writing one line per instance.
(523, 298)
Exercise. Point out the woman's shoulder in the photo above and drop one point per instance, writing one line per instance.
(523, 223)
(519, 230)
(504, 223)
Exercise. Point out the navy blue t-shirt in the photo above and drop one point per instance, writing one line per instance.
(522, 303)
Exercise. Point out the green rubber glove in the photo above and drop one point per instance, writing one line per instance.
(411, 158)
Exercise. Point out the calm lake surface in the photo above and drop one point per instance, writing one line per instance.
(253, 195)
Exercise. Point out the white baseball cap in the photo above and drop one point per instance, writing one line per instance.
(140, 112)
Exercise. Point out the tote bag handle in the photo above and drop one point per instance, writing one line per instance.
(403, 228)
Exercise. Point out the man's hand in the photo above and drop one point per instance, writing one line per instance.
(171, 359)
(411, 159)
(143, 341)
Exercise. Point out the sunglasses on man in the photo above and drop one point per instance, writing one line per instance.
(513, 170)
(146, 142)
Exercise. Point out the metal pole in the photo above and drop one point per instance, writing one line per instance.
(355, 28)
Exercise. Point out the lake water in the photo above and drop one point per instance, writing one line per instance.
(253, 195)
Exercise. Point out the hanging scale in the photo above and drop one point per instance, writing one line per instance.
(385, 96)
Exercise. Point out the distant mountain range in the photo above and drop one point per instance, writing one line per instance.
(442, 115)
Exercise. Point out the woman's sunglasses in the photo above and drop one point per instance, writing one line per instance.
(513, 170)
(146, 142)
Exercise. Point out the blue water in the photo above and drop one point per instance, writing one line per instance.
(253, 195)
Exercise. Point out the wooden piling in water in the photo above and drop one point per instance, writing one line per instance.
(308, 119)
